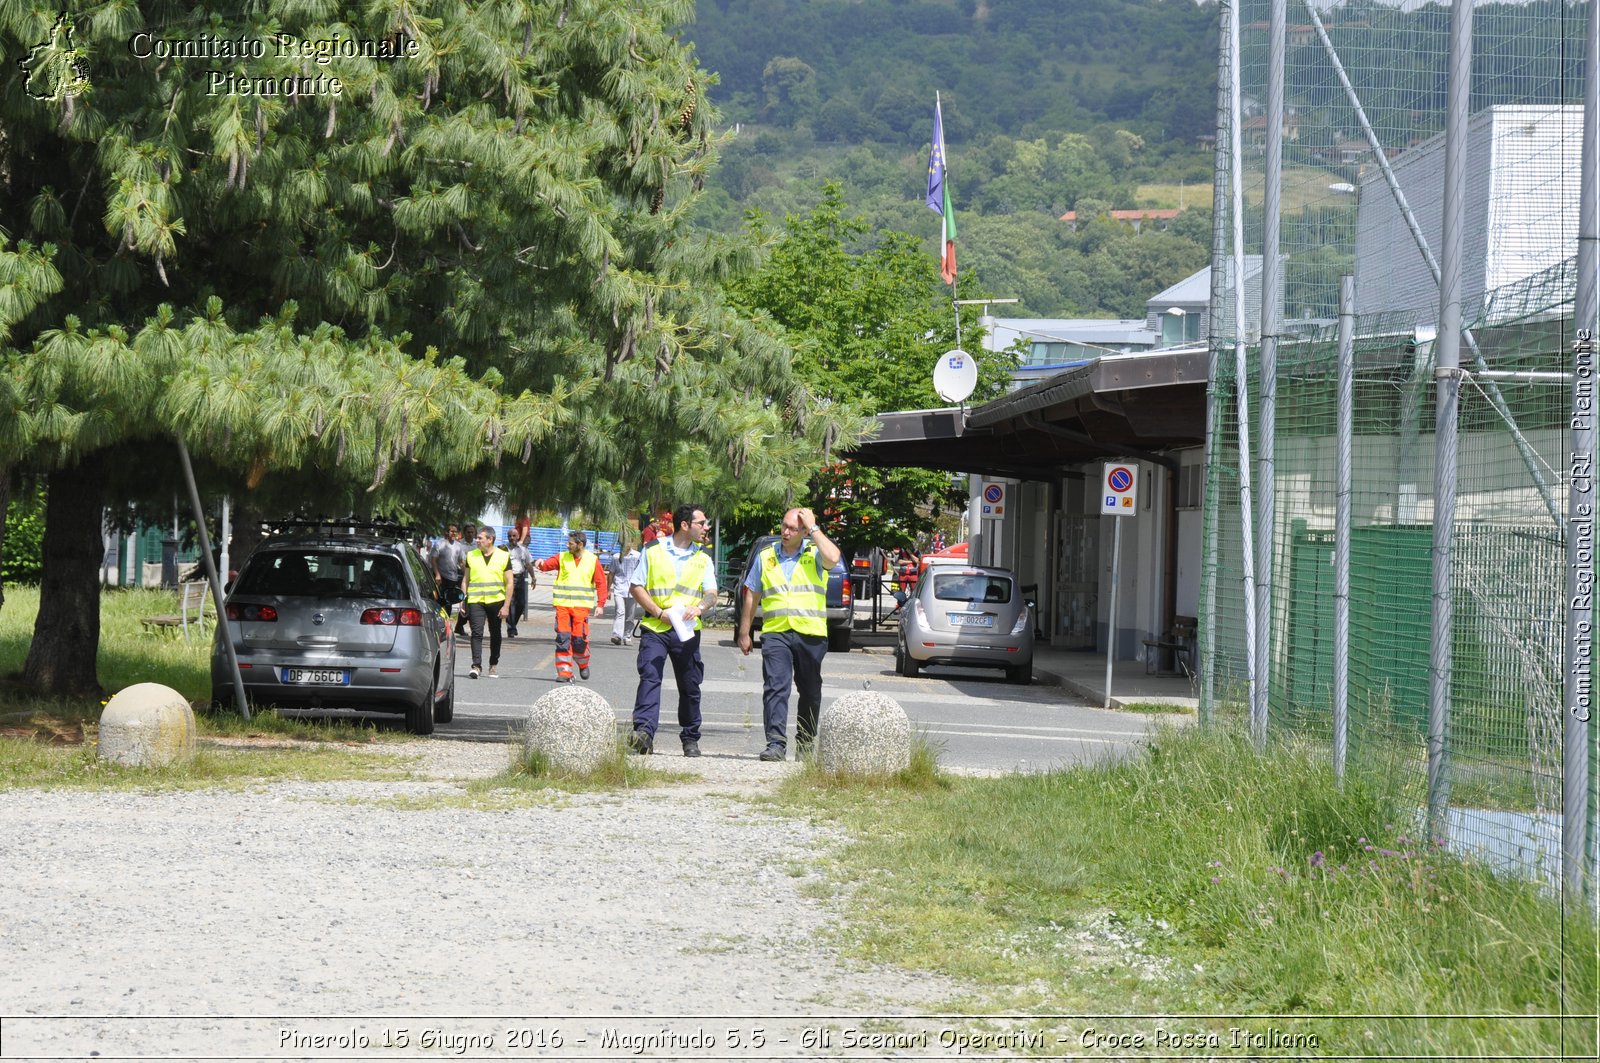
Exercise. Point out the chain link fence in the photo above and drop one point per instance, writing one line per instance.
(1362, 176)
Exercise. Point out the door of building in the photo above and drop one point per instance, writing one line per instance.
(1077, 581)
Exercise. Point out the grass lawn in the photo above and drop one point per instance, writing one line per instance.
(127, 654)
(52, 741)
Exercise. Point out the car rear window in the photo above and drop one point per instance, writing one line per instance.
(324, 573)
(971, 587)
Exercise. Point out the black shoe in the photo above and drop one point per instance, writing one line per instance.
(773, 752)
(563, 679)
(583, 673)
(641, 742)
(802, 749)
(691, 749)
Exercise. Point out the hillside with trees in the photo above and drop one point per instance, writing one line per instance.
(1049, 106)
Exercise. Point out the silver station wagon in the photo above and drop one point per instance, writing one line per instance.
(967, 616)
(337, 617)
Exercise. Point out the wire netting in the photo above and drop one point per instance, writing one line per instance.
(1363, 150)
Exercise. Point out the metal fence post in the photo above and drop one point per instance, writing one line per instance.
(1447, 386)
(1341, 520)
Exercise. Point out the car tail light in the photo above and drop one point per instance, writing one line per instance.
(1022, 623)
(261, 614)
(393, 617)
(849, 594)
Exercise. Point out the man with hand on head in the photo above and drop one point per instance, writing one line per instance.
(676, 581)
(790, 578)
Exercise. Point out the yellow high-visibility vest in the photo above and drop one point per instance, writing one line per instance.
(574, 581)
(486, 576)
(798, 603)
(671, 582)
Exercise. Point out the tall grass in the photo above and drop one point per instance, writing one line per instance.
(1204, 879)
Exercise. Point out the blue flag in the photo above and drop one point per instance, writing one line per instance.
(935, 199)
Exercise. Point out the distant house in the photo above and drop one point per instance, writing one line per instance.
(1255, 129)
(1353, 151)
(1136, 218)
(1294, 36)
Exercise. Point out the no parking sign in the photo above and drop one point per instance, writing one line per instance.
(1119, 489)
(994, 501)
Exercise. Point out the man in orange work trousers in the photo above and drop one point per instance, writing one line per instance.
(580, 588)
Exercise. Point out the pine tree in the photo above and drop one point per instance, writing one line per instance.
(471, 265)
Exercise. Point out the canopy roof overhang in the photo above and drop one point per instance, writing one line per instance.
(1131, 405)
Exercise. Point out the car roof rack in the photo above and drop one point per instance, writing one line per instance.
(352, 525)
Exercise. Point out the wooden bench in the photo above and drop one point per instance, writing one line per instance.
(1178, 644)
(194, 599)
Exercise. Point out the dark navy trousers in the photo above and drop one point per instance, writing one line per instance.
(655, 648)
(790, 657)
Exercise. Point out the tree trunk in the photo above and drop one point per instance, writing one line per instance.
(246, 519)
(66, 636)
(5, 503)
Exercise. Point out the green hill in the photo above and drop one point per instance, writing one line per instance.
(1049, 106)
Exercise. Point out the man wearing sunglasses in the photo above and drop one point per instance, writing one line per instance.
(676, 583)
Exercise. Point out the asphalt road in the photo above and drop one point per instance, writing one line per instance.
(978, 720)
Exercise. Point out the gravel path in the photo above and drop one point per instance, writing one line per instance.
(330, 899)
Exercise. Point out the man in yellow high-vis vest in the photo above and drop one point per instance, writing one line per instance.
(676, 582)
(487, 583)
(580, 589)
(790, 577)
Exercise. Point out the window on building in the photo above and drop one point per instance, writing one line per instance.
(1180, 327)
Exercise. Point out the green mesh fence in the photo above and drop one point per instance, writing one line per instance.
(1341, 215)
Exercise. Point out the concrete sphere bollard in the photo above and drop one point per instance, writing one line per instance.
(573, 728)
(146, 725)
(864, 733)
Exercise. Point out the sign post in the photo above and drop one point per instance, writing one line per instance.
(1119, 497)
(993, 508)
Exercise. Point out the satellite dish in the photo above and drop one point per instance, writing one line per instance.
(955, 375)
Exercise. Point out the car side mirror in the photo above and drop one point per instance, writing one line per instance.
(901, 596)
(227, 588)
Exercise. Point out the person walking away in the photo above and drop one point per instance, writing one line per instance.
(676, 574)
(448, 556)
(487, 585)
(521, 562)
(627, 617)
(790, 577)
(469, 538)
(580, 588)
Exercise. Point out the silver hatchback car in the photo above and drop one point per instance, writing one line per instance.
(968, 616)
(327, 620)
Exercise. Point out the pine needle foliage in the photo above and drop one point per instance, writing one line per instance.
(473, 254)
